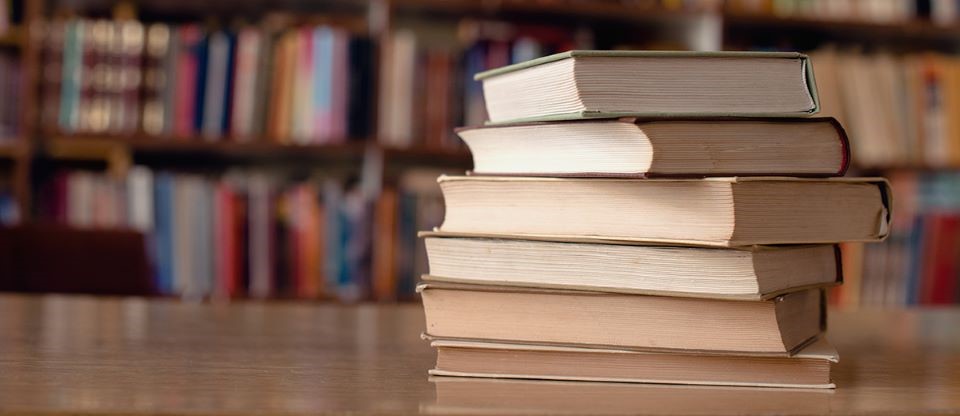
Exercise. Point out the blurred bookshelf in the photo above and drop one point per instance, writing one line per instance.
(289, 149)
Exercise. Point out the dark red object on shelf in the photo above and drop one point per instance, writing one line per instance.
(55, 258)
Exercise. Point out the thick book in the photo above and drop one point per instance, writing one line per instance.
(469, 395)
(673, 147)
(591, 84)
(779, 326)
(738, 211)
(809, 368)
(751, 273)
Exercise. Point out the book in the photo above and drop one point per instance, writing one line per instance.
(809, 368)
(779, 326)
(397, 93)
(128, 55)
(9, 209)
(189, 38)
(249, 46)
(464, 396)
(587, 84)
(52, 74)
(216, 85)
(661, 147)
(155, 81)
(72, 72)
(713, 211)
(753, 273)
(360, 97)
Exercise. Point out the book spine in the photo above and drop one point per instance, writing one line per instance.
(340, 88)
(245, 79)
(155, 81)
(226, 112)
(53, 59)
(127, 103)
(215, 85)
(361, 82)
(186, 80)
(72, 68)
(201, 53)
(844, 148)
(264, 76)
(321, 81)
(163, 236)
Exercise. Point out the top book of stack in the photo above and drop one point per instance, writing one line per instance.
(606, 84)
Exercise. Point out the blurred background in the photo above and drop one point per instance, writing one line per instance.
(289, 149)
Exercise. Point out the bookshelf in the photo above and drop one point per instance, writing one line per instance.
(406, 139)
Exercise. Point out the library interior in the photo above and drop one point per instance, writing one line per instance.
(226, 207)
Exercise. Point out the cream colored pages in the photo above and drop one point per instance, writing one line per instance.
(435, 372)
(819, 349)
(672, 209)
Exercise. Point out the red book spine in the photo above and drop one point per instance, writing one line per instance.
(341, 79)
(241, 247)
(226, 241)
(931, 240)
(944, 275)
(186, 81)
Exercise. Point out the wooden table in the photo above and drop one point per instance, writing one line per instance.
(83, 355)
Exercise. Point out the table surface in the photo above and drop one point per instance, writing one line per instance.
(86, 355)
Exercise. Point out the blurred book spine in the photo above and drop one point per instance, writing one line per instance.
(10, 86)
(9, 209)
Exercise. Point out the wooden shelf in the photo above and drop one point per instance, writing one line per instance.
(645, 13)
(918, 168)
(102, 146)
(915, 30)
(11, 150)
(579, 10)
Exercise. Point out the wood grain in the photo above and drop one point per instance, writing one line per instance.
(84, 355)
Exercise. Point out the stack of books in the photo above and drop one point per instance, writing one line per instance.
(664, 217)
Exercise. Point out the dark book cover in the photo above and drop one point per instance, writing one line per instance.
(201, 53)
(361, 87)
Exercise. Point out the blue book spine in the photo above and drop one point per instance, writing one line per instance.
(344, 269)
(72, 70)
(163, 233)
(322, 95)
(228, 90)
(200, 51)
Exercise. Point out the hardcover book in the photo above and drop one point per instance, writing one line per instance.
(470, 395)
(661, 147)
(725, 212)
(779, 326)
(809, 368)
(750, 273)
(591, 84)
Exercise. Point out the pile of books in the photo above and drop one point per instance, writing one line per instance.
(663, 217)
